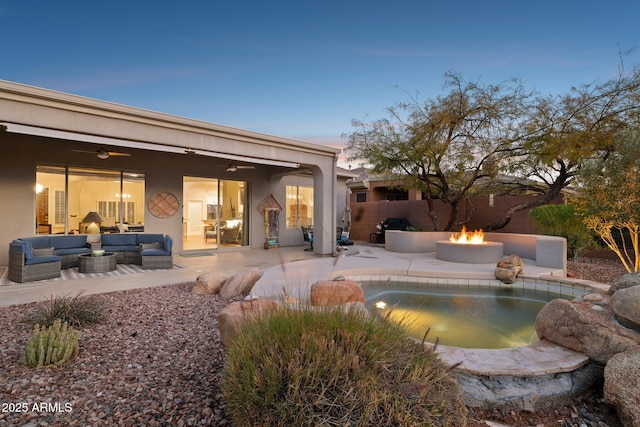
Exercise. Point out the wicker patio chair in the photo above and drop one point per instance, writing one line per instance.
(41, 266)
(157, 255)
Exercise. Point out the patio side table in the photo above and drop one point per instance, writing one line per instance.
(88, 263)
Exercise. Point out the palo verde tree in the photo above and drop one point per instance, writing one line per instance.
(608, 198)
(562, 133)
(444, 146)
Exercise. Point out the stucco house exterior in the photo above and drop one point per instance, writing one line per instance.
(63, 156)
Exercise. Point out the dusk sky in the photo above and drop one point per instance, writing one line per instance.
(304, 69)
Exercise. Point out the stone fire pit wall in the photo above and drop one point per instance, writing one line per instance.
(485, 253)
(546, 251)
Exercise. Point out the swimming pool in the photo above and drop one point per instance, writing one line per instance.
(480, 316)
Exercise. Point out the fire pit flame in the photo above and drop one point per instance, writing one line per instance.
(468, 237)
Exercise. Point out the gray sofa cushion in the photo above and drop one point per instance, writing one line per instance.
(120, 248)
(66, 242)
(119, 239)
(42, 259)
(150, 238)
(38, 241)
(20, 247)
(168, 244)
(71, 251)
(155, 252)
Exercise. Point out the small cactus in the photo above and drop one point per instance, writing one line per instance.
(51, 345)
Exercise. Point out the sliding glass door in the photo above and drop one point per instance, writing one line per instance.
(214, 213)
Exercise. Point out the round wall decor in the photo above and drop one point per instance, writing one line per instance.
(163, 204)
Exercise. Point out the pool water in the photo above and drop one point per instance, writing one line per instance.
(480, 317)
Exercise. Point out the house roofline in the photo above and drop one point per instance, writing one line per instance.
(18, 92)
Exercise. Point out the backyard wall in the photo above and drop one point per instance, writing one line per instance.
(365, 216)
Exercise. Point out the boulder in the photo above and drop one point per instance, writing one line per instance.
(625, 304)
(622, 386)
(506, 275)
(596, 298)
(585, 328)
(233, 317)
(508, 268)
(240, 283)
(625, 281)
(209, 283)
(335, 292)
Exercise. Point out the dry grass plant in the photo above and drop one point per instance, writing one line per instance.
(77, 311)
(333, 367)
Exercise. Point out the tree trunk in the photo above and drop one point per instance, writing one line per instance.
(453, 215)
(546, 198)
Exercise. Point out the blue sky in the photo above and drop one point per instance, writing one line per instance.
(304, 69)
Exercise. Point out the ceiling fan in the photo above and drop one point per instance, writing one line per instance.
(101, 153)
(234, 167)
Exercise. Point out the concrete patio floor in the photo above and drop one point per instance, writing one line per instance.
(229, 262)
(290, 267)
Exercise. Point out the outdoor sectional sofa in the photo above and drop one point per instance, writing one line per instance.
(42, 257)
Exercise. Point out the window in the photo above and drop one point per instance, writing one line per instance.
(59, 213)
(299, 209)
(111, 209)
(397, 196)
(361, 197)
(75, 192)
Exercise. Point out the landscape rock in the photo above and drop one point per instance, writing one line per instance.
(335, 292)
(625, 304)
(356, 307)
(622, 386)
(625, 281)
(597, 298)
(506, 275)
(209, 283)
(508, 268)
(233, 317)
(240, 283)
(585, 328)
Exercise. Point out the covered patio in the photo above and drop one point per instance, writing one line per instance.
(154, 154)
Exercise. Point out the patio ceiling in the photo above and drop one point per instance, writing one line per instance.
(102, 140)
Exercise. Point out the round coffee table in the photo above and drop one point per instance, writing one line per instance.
(88, 263)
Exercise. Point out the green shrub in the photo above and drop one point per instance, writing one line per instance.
(331, 368)
(562, 220)
(77, 311)
(51, 345)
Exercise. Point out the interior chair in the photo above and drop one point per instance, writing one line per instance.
(307, 235)
(210, 232)
(230, 234)
(43, 229)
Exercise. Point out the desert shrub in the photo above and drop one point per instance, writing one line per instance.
(76, 310)
(335, 368)
(52, 345)
(562, 220)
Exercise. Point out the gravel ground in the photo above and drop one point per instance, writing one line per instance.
(156, 361)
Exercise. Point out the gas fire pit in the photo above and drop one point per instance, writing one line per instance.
(469, 247)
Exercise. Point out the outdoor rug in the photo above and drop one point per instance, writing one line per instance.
(72, 273)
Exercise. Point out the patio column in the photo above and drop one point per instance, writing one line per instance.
(324, 205)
